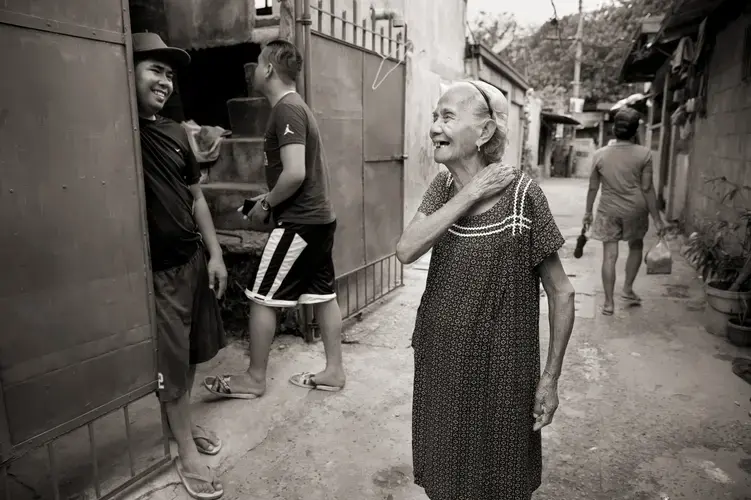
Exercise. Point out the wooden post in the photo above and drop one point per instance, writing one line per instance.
(664, 137)
(650, 121)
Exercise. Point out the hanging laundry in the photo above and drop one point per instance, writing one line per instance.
(204, 140)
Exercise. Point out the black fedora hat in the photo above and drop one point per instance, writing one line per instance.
(152, 45)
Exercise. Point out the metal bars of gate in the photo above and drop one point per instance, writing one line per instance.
(341, 27)
(391, 274)
(54, 466)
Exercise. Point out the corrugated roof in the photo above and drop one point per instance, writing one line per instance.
(497, 62)
(685, 17)
(643, 61)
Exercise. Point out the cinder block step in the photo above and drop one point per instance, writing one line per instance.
(265, 34)
(267, 21)
(224, 198)
(240, 241)
(248, 116)
(241, 160)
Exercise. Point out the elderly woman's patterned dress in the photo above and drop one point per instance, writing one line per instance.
(476, 346)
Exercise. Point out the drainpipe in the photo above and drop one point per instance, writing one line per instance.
(307, 22)
(302, 40)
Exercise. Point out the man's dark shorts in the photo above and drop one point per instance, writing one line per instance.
(608, 228)
(189, 324)
(297, 266)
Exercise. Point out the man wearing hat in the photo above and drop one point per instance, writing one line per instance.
(624, 171)
(187, 285)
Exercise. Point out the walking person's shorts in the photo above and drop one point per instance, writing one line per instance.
(297, 266)
(608, 228)
(189, 324)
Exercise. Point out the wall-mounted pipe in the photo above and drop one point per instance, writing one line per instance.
(308, 54)
(396, 18)
(303, 22)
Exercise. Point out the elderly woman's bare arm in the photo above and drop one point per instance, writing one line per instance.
(561, 295)
(424, 230)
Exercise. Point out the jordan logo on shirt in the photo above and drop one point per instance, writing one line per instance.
(287, 130)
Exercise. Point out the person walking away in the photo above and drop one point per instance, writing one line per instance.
(297, 265)
(186, 287)
(624, 171)
(479, 398)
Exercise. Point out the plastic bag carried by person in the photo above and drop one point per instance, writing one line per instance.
(658, 259)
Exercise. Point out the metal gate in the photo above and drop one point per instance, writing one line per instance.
(75, 298)
(363, 135)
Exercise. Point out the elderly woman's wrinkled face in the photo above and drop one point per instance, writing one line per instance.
(456, 129)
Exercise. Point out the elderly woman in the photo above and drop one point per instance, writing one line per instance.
(479, 398)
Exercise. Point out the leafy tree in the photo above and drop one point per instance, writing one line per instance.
(545, 54)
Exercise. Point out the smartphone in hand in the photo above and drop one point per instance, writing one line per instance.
(247, 207)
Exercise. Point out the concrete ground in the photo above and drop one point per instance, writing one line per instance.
(649, 407)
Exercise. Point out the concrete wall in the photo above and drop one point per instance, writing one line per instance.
(534, 108)
(721, 143)
(200, 24)
(513, 154)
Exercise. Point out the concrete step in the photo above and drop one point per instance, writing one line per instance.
(239, 173)
(242, 241)
(267, 21)
(224, 198)
(241, 159)
(265, 34)
(248, 116)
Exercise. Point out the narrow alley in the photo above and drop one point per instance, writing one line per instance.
(650, 409)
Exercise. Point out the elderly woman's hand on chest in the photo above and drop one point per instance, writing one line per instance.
(491, 181)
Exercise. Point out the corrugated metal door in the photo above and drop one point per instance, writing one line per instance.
(77, 339)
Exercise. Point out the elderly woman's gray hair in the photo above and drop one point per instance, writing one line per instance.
(489, 96)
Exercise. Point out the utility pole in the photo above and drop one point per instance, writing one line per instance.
(578, 57)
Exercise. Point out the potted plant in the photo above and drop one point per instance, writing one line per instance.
(721, 251)
(739, 328)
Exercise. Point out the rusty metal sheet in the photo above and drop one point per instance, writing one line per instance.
(383, 108)
(75, 294)
(99, 14)
(337, 98)
(383, 208)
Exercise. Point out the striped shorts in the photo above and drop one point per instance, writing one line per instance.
(297, 266)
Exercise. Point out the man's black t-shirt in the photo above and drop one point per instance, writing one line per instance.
(292, 122)
(169, 167)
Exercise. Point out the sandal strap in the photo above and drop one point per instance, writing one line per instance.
(307, 379)
(221, 385)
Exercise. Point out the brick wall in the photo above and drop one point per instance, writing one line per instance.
(721, 140)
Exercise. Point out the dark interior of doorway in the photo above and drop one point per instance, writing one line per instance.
(215, 76)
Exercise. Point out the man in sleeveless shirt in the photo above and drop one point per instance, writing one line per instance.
(624, 172)
(297, 264)
(186, 286)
